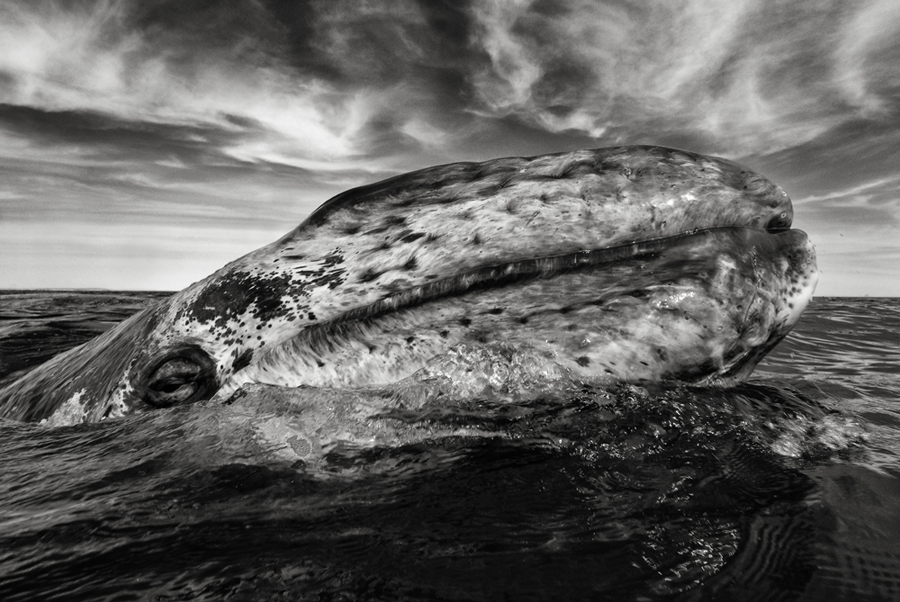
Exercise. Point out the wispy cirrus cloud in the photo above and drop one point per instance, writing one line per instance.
(123, 60)
(742, 77)
(317, 83)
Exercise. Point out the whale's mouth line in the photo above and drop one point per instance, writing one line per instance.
(692, 266)
(499, 275)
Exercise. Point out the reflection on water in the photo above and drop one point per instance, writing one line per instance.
(785, 488)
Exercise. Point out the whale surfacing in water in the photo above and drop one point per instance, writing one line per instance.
(620, 264)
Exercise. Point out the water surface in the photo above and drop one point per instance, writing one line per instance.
(784, 488)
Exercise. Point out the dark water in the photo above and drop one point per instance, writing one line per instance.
(784, 488)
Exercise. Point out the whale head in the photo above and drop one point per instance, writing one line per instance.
(618, 264)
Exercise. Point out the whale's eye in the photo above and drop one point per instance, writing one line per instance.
(183, 376)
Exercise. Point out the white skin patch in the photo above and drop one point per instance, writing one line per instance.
(70, 412)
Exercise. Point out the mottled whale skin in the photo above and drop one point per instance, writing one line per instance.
(617, 264)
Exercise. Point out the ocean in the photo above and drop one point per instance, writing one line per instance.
(786, 487)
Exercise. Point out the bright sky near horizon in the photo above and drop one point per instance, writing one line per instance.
(146, 143)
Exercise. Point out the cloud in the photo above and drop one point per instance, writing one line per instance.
(886, 189)
(867, 55)
(747, 76)
(113, 58)
(323, 85)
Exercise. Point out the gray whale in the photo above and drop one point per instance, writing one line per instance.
(624, 264)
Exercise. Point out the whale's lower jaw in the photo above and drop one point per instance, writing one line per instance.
(702, 307)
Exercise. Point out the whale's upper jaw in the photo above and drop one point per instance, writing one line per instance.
(403, 233)
(375, 242)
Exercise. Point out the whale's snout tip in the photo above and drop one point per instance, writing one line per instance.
(779, 222)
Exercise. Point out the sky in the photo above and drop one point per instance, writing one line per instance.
(146, 143)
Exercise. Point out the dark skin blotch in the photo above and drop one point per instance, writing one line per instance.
(242, 361)
(369, 275)
(505, 182)
(412, 237)
(388, 223)
(234, 293)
